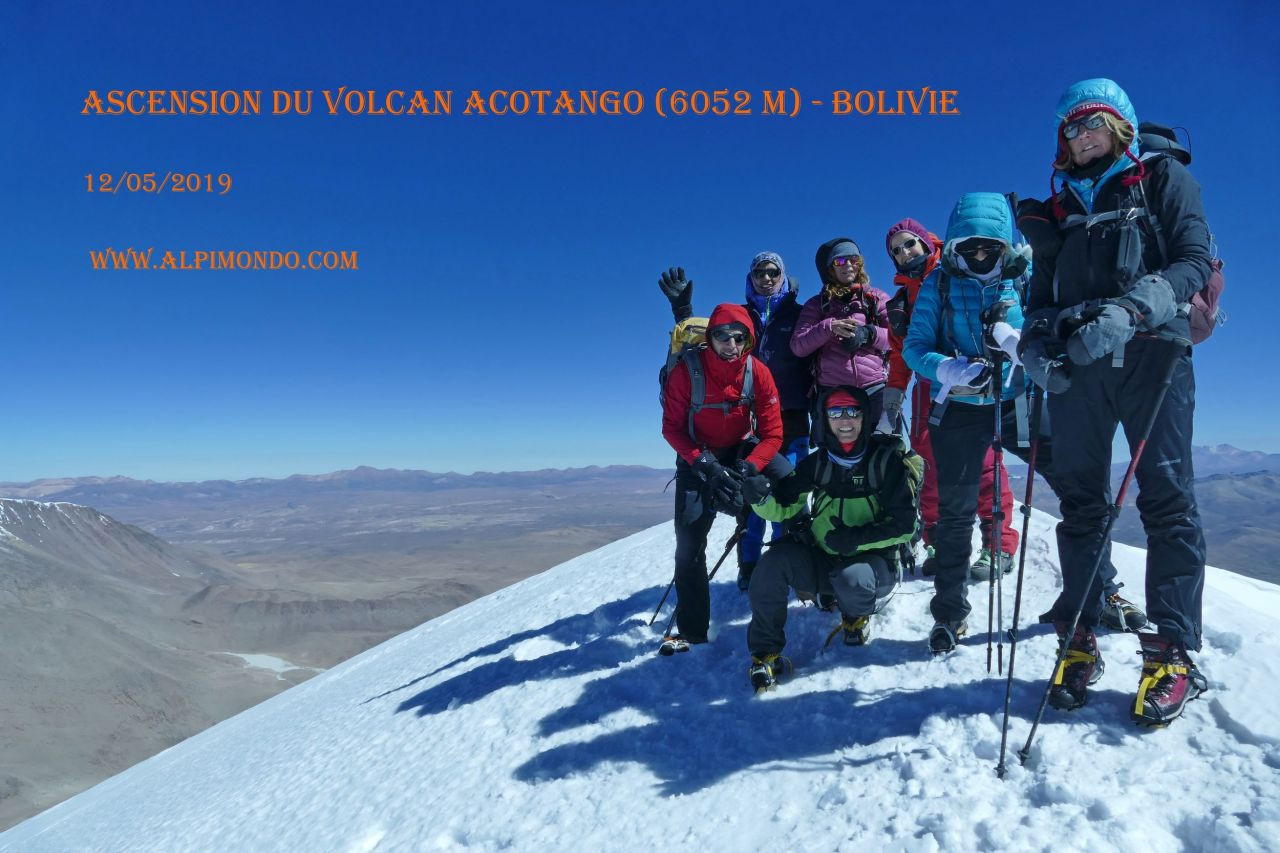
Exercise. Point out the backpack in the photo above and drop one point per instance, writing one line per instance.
(688, 339)
(882, 449)
(1206, 313)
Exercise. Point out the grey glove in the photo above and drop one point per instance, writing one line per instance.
(1044, 359)
(1095, 330)
(679, 292)
(892, 399)
(1152, 297)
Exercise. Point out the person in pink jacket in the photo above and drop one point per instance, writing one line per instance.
(846, 325)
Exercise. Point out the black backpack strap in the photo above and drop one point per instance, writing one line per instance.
(697, 386)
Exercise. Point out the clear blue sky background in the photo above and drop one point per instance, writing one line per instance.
(506, 314)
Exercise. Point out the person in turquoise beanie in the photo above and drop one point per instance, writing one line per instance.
(1120, 245)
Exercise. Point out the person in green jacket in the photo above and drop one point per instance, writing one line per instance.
(859, 492)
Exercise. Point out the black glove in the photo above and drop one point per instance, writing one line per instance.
(679, 292)
(755, 486)
(787, 490)
(861, 337)
(1038, 224)
(843, 539)
(997, 312)
(725, 483)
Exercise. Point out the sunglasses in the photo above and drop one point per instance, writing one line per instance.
(971, 251)
(1071, 130)
(766, 272)
(724, 336)
(905, 245)
(847, 261)
(837, 412)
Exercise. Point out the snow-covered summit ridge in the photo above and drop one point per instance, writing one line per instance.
(540, 715)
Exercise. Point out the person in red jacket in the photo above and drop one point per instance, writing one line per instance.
(721, 442)
(915, 251)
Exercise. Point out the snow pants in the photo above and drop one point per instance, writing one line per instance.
(921, 401)
(795, 446)
(1101, 397)
(860, 584)
(958, 445)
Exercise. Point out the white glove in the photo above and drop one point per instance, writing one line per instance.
(959, 371)
(1006, 337)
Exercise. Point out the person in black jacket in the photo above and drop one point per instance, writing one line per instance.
(1117, 251)
(773, 306)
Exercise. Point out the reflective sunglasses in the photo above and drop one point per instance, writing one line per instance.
(905, 245)
(724, 336)
(837, 412)
(970, 251)
(766, 272)
(1071, 130)
(848, 260)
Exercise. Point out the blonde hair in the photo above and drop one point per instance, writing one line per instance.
(1122, 134)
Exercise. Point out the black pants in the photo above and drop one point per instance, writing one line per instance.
(1101, 397)
(960, 445)
(861, 585)
(694, 515)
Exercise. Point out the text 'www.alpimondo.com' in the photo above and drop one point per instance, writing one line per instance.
(222, 259)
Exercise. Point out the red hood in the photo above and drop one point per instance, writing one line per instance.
(726, 313)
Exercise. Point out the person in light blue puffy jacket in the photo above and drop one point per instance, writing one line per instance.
(968, 315)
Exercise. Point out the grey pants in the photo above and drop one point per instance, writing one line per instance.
(859, 586)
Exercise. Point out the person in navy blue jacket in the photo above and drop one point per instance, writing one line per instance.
(1120, 244)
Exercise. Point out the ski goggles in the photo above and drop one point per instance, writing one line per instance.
(905, 246)
(724, 336)
(1071, 129)
(846, 260)
(838, 412)
(766, 272)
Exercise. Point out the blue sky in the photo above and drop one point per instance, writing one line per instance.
(505, 314)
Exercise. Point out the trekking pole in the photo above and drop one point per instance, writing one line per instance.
(997, 515)
(1037, 399)
(733, 540)
(1112, 514)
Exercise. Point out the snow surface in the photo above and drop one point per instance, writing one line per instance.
(540, 717)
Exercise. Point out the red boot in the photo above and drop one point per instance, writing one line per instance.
(1080, 667)
(1169, 681)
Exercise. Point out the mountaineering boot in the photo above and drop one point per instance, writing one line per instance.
(765, 671)
(981, 568)
(1119, 614)
(945, 635)
(1081, 666)
(929, 567)
(676, 643)
(1169, 681)
(745, 571)
(857, 631)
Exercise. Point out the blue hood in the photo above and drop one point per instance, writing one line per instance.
(978, 215)
(1105, 94)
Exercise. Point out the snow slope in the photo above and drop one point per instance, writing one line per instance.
(540, 717)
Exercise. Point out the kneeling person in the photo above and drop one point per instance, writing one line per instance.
(864, 488)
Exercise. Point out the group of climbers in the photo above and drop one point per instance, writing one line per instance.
(1098, 327)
